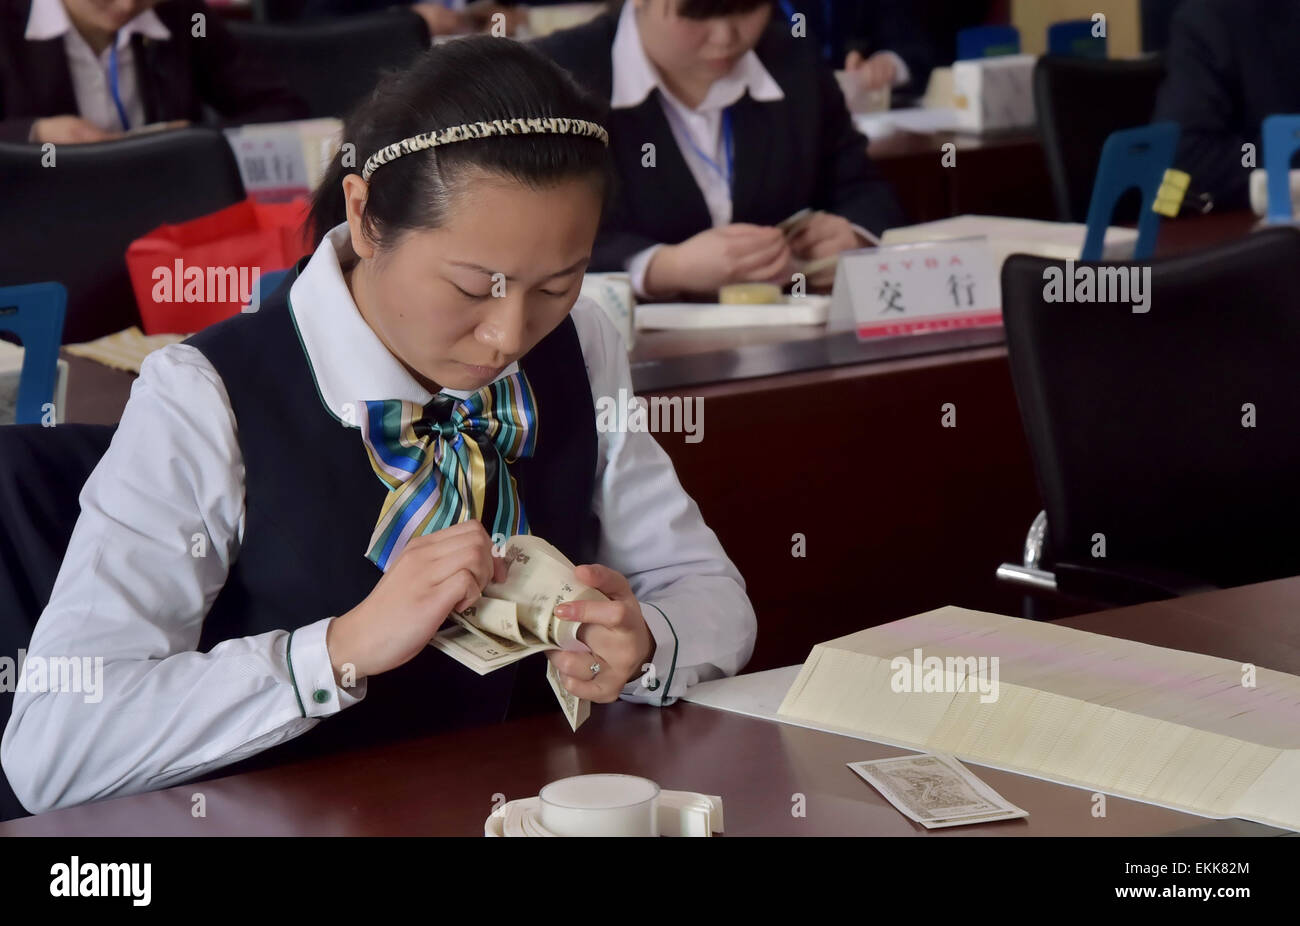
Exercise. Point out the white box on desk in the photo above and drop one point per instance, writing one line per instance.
(11, 368)
(993, 94)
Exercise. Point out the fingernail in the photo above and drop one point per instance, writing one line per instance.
(563, 610)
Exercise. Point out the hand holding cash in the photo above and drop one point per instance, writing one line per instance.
(524, 614)
(816, 240)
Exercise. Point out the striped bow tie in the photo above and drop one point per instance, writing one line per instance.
(445, 462)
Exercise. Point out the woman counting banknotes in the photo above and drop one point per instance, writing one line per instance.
(723, 128)
(296, 499)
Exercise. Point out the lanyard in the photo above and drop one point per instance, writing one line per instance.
(728, 147)
(112, 83)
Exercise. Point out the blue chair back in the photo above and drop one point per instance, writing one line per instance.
(34, 312)
(1130, 158)
(1281, 137)
(987, 42)
(1074, 39)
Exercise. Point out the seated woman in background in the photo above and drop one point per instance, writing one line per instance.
(722, 125)
(86, 70)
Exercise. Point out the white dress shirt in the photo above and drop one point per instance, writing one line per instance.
(129, 591)
(635, 77)
(90, 83)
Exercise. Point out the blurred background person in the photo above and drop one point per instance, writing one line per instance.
(1230, 64)
(89, 70)
(746, 126)
(879, 41)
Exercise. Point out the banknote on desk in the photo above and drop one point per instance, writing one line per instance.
(516, 618)
(936, 791)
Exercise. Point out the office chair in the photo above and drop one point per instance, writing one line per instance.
(35, 314)
(1132, 159)
(42, 471)
(334, 63)
(1164, 439)
(1079, 103)
(72, 221)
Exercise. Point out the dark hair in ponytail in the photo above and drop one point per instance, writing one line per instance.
(474, 79)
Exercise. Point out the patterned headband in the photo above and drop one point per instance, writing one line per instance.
(549, 125)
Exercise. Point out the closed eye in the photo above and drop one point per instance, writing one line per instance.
(469, 295)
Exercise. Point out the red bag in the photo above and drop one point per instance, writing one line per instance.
(196, 273)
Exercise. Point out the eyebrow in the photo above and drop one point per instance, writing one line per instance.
(559, 273)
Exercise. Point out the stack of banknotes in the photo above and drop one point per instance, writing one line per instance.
(516, 618)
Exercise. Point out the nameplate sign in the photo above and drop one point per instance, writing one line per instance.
(911, 288)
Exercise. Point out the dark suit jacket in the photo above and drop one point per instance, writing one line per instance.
(175, 77)
(869, 26)
(1230, 64)
(798, 152)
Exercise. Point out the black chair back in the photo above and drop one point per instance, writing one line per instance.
(334, 63)
(1172, 433)
(1079, 103)
(72, 222)
(42, 471)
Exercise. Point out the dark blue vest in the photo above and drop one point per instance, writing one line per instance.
(311, 502)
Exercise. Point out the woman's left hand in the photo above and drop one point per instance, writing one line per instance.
(822, 235)
(614, 631)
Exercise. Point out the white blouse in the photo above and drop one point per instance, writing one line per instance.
(134, 586)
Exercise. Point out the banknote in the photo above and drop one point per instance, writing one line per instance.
(516, 618)
(936, 791)
(791, 224)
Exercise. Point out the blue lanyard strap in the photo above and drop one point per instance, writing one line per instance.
(728, 147)
(112, 84)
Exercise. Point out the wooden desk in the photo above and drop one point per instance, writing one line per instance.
(445, 785)
(998, 174)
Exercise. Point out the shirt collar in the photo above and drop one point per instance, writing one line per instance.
(348, 360)
(635, 77)
(49, 20)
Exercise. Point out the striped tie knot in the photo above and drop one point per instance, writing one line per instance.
(447, 461)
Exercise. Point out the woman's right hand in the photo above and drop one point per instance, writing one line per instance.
(432, 576)
(736, 253)
(68, 130)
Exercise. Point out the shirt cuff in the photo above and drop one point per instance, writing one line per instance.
(312, 673)
(637, 266)
(653, 685)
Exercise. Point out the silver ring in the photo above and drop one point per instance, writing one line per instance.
(595, 669)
